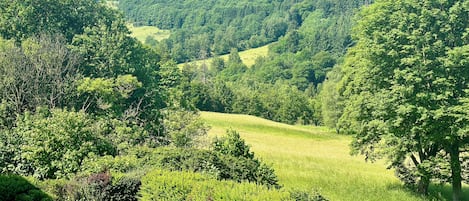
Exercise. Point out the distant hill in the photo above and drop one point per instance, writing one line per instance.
(213, 26)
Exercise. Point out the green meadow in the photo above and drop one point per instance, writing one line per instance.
(315, 159)
(142, 32)
(248, 57)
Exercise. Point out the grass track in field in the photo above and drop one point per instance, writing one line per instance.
(142, 32)
(306, 157)
(248, 56)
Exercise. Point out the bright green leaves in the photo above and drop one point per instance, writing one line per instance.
(405, 78)
(26, 18)
(54, 143)
(184, 128)
(106, 92)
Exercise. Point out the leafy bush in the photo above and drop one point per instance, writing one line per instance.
(167, 185)
(54, 143)
(17, 188)
(245, 165)
(218, 165)
(232, 144)
(184, 127)
(300, 195)
(100, 186)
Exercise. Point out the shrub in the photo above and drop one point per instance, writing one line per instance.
(101, 186)
(232, 144)
(300, 195)
(242, 163)
(167, 185)
(216, 164)
(17, 188)
(55, 143)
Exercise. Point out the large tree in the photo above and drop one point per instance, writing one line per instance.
(406, 82)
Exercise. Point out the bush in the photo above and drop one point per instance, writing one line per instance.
(216, 164)
(54, 143)
(300, 195)
(17, 188)
(232, 144)
(101, 186)
(167, 185)
(241, 162)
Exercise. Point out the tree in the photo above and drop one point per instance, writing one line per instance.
(40, 72)
(21, 19)
(332, 103)
(406, 85)
(184, 128)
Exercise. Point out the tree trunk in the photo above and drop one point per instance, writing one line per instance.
(455, 172)
(423, 184)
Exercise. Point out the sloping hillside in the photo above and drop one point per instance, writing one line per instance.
(311, 158)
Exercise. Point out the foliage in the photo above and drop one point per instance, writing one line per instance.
(211, 26)
(405, 82)
(40, 72)
(98, 186)
(166, 185)
(53, 144)
(332, 103)
(305, 196)
(17, 188)
(232, 144)
(23, 19)
(184, 128)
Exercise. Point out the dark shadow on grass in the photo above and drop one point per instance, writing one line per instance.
(444, 192)
(436, 191)
(17, 188)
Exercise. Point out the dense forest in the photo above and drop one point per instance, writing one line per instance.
(88, 112)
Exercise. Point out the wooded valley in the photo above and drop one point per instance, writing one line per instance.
(88, 112)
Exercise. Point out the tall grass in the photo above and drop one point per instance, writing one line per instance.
(312, 158)
(142, 32)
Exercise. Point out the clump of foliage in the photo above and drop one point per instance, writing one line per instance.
(17, 188)
(52, 143)
(184, 128)
(97, 186)
(233, 145)
(299, 195)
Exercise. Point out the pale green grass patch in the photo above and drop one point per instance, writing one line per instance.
(112, 4)
(142, 32)
(248, 57)
(310, 158)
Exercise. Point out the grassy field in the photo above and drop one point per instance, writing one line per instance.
(248, 56)
(141, 33)
(312, 158)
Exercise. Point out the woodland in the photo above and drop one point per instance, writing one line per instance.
(88, 112)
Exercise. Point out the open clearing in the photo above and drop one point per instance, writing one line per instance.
(312, 158)
(248, 57)
(142, 32)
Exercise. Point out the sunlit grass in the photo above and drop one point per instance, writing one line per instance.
(248, 57)
(313, 158)
(142, 32)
